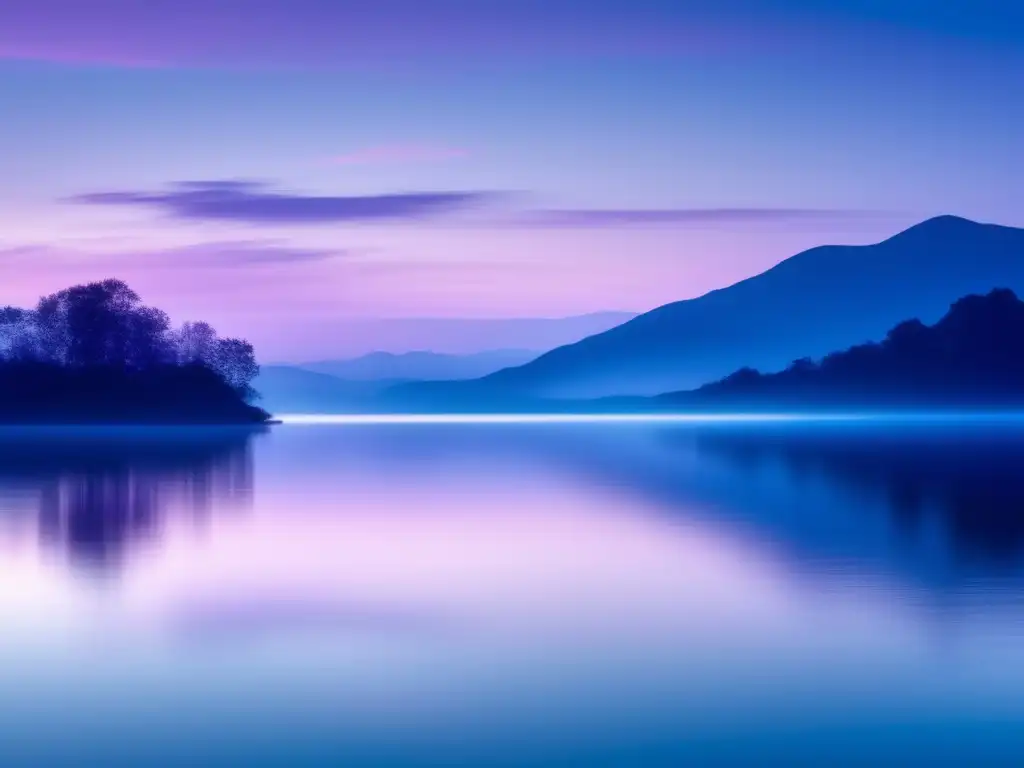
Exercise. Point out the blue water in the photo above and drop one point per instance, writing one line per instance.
(583, 594)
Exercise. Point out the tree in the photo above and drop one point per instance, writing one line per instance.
(101, 323)
(147, 339)
(95, 352)
(17, 333)
(235, 361)
(51, 330)
(906, 334)
(196, 343)
(105, 324)
(803, 365)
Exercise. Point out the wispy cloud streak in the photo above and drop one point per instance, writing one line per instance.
(234, 254)
(252, 202)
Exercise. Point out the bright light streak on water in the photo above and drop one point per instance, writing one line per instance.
(639, 418)
(547, 418)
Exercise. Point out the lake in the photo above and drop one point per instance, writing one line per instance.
(549, 594)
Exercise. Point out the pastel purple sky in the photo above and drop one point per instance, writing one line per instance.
(295, 170)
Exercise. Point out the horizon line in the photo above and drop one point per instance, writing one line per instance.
(740, 417)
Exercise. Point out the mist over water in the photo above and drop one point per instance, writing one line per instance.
(513, 594)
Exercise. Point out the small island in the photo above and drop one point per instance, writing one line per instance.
(95, 354)
(971, 359)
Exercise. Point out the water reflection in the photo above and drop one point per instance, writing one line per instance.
(543, 595)
(966, 482)
(98, 492)
(935, 506)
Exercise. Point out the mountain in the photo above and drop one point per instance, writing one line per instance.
(973, 356)
(345, 338)
(382, 366)
(818, 301)
(287, 389)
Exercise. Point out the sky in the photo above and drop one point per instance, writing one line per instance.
(298, 171)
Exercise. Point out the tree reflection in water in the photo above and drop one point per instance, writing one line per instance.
(102, 490)
(969, 478)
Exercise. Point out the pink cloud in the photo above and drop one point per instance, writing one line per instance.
(400, 153)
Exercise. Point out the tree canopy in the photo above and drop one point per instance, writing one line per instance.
(105, 324)
(973, 356)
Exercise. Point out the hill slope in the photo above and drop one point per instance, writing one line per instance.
(286, 389)
(973, 356)
(818, 301)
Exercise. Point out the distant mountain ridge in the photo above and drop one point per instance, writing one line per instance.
(347, 338)
(288, 389)
(421, 365)
(355, 386)
(818, 301)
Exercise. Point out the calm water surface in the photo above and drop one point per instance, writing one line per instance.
(560, 595)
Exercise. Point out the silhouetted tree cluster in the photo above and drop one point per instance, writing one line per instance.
(974, 355)
(98, 346)
(106, 324)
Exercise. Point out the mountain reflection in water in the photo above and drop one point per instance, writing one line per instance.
(968, 482)
(571, 595)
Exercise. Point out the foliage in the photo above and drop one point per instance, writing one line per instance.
(106, 324)
(973, 355)
(96, 353)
